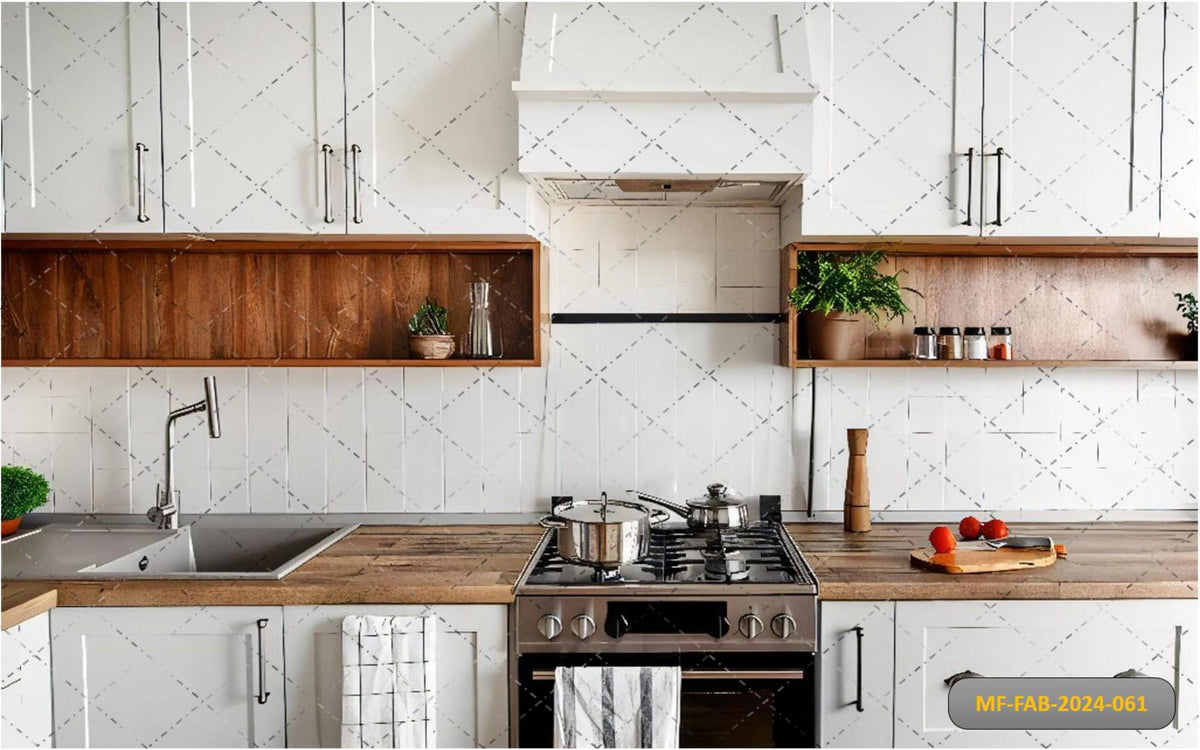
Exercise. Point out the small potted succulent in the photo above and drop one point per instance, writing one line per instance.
(1187, 308)
(429, 336)
(21, 490)
(832, 292)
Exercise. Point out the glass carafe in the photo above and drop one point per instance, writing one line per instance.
(483, 332)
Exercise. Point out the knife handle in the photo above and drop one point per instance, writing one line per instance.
(1060, 551)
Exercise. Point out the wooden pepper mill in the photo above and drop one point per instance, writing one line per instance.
(857, 510)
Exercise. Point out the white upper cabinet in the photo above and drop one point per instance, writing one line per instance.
(1180, 198)
(432, 118)
(1072, 100)
(900, 94)
(80, 94)
(253, 117)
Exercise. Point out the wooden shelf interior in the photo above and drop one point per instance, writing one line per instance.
(225, 300)
(1096, 310)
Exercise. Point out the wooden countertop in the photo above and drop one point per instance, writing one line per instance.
(480, 564)
(1126, 560)
(22, 600)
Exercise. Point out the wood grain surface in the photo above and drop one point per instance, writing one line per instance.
(962, 561)
(1133, 560)
(168, 299)
(1076, 304)
(22, 600)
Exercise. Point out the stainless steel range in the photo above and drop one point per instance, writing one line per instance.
(735, 609)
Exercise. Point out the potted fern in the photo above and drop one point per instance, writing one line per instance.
(833, 291)
(1187, 308)
(21, 490)
(429, 336)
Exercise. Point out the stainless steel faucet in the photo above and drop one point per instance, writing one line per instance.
(166, 509)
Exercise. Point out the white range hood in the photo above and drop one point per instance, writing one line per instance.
(665, 102)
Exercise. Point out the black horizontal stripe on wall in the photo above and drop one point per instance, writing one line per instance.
(588, 318)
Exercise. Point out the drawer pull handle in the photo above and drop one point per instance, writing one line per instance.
(961, 676)
(262, 665)
(970, 182)
(1130, 673)
(858, 702)
(326, 152)
(142, 217)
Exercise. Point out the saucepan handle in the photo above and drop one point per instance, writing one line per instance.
(550, 522)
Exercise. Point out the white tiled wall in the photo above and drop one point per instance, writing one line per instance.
(1028, 439)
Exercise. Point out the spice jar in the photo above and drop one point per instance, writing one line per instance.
(975, 343)
(949, 342)
(1000, 343)
(924, 343)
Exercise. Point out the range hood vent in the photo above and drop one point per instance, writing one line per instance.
(665, 102)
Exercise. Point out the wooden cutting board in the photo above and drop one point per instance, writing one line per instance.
(982, 559)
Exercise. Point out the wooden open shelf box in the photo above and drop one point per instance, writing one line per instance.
(284, 300)
(1072, 302)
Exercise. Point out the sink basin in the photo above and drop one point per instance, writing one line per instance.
(200, 550)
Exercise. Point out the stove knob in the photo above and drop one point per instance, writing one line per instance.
(750, 626)
(583, 626)
(549, 626)
(783, 626)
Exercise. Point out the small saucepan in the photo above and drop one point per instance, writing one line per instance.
(604, 534)
(718, 508)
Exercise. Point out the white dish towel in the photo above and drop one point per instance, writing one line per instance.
(616, 707)
(388, 680)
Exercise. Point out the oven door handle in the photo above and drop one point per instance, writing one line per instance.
(712, 674)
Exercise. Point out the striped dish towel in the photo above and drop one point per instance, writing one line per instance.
(388, 682)
(616, 707)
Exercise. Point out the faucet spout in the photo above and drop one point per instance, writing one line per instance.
(165, 511)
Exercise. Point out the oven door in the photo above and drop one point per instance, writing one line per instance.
(727, 700)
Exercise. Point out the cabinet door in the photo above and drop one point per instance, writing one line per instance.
(856, 660)
(80, 93)
(899, 107)
(935, 640)
(167, 676)
(1071, 95)
(1180, 198)
(431, 108)
(472, 672)
(25, 691)
(252, 95)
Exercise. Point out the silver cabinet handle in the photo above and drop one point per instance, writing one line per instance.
(970, 182)
(140, 149)
(262, 665)
(354, 152)
(326, 152)
(961, 676)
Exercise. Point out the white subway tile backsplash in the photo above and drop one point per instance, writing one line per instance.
(306, 440)
(267, 439)
(424, 453)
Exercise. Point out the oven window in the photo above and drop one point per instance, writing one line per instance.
(738, 712)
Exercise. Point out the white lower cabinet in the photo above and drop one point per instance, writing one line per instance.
(471, 663)
(856, 673)
(168, 676)
(935, 640)
(25, 691)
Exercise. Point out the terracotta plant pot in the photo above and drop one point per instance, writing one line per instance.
(9, 525)
(432, 347)
(834, 336)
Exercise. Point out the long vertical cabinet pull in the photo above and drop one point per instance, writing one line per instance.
(354, 152)
(140, 150)
(858, 701)
(970, 182)
(999, 154)
(326, 152)
(262, 665)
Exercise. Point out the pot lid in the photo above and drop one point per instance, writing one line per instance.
(717, 496)
(602, 511)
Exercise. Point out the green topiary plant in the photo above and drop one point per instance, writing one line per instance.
(850, 284)
(428, 320)
(1187, 308)
(21, 490)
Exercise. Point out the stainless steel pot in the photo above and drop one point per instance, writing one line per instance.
(718, 508)
(603, 533)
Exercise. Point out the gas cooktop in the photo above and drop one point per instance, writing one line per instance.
(756, 555)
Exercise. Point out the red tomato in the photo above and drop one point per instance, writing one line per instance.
(995, 529)
(942, 540)
(970, 528)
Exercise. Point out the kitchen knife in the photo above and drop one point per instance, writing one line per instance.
(1021, 542)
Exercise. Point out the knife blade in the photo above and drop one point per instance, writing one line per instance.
(1021, 542)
